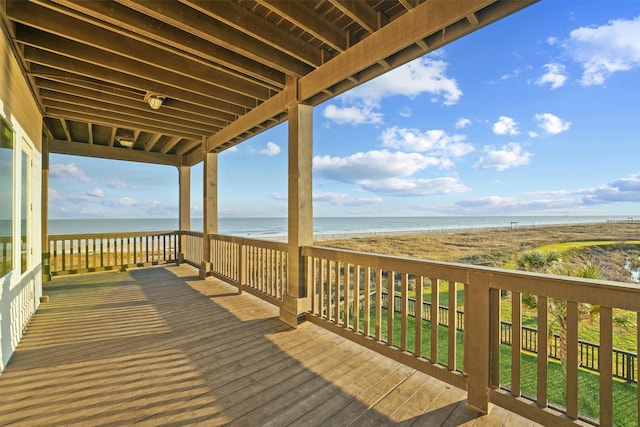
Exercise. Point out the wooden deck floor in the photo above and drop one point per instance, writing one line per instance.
(158, 346)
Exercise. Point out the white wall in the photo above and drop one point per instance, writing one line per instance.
(20, 293)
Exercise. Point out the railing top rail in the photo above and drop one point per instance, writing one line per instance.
(598, 292)
(437, 269)
(269, 244)
(191, 233)
(109, 235)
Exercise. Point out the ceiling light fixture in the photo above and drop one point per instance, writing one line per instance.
(154, 100)
(126, 142)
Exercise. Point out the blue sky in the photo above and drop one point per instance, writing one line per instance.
(538, 114)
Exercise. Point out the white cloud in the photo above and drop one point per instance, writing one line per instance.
(508, 156)
(271, 149)
(355, 115)
(372, 165)
(462, 123)
(118, 183)
(96, 193)
(505, 126)
(552, 124)
(621, 190)
(499, 204)
(343, 199)
(67, 171)
(606, 49)
(416, 187)
(420, 76)
(556, 76)
(122, 202)
(436, 142)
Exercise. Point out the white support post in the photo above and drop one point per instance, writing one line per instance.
(300, 224)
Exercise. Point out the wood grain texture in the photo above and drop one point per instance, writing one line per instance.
(159, 345)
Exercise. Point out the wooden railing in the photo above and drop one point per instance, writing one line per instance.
(257, 266)
(191, 247)
(474, 307)
(82, 253)
(625, 363)
(475, 359)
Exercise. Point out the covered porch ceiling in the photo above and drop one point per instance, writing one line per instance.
(226, 70)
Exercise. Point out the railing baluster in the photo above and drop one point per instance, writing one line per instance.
(418, 317)
(452, 331)
(378, 305)
(516, 341)
(336, 290)
(367, 301)
(404, 308)
(572, 359)
(542, 359)
(391, 297)
(356, 297)
(605, 361)
(347, 291)
(435, 308)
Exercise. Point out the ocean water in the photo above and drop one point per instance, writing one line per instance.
(338, 226)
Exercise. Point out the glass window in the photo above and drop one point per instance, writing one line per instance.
(6, 198)
(25, 217)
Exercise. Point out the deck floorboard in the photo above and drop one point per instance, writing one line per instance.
(159, 346)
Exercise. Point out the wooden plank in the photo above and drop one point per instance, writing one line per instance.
(543, 351)
(435, 303)
(391, 299)
(572, 359)
(404, 310)
(160, 346)
(452, 331)
(605, 363)
(419, 298)
(516, 341)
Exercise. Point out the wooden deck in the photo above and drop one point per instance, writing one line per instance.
(158, 346)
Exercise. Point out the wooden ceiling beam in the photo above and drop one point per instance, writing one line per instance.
(197, 23)
(107, 60)
(114, 153)
(90, 71)
(252, 24)
(81, 87)
(48, 22)
(51, 97)
(414, 26)
(303, 16)
(359, 12)
(53, 89)
(115, 120)
(151, 31)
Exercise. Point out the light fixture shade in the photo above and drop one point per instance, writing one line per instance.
(154, 100)
(126, 142)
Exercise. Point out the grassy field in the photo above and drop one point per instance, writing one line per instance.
(625, 403)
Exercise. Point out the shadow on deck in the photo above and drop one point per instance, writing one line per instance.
(160, 346)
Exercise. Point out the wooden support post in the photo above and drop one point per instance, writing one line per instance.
(477, 342)
(210, 208)
(184, 216)
(296, 301)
